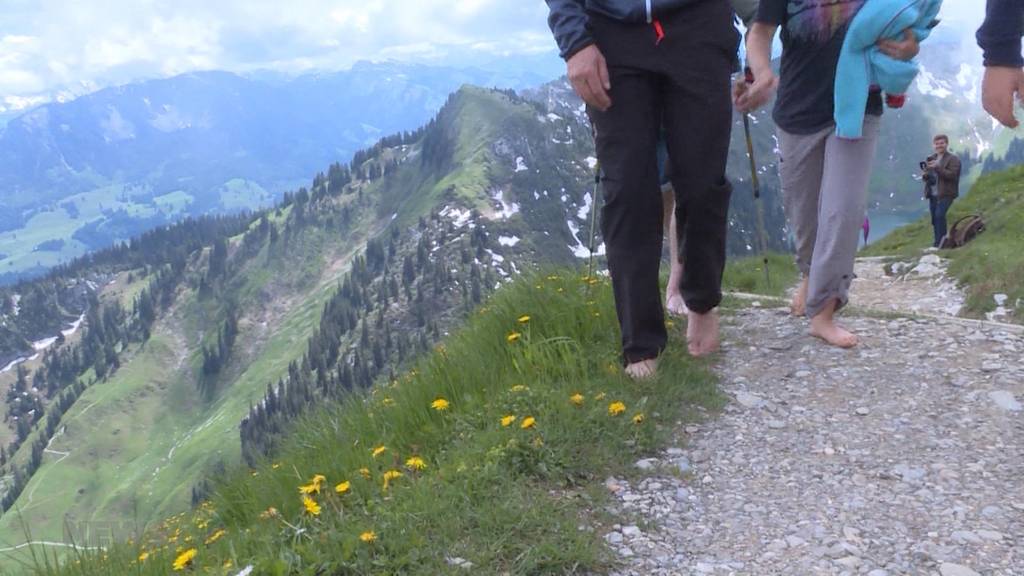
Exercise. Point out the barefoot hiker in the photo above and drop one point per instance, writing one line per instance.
(640, 65)
(824, 174)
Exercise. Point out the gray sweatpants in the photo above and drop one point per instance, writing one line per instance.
(824, 190)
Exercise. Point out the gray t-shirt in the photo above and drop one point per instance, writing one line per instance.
(812, 38)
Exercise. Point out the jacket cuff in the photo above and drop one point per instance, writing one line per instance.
(580, 44)
(1004, 53)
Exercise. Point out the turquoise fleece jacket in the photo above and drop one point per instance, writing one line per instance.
(862, 64)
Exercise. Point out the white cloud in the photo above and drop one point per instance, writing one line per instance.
(48, 46)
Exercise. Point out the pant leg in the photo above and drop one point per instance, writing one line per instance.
(631, 218)
(801, 165)
(844, 191)
(700, 51)
(941, 225)
(932, 202)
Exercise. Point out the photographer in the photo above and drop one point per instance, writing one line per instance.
(941, 175)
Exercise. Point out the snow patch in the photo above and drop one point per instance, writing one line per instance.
(508, 240)
(931, 86)
(584, 210)
(591, 162)
(459, 217)
(580, 250)
(520, 165)
(508, 209)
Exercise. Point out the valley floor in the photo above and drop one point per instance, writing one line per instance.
(903, 456)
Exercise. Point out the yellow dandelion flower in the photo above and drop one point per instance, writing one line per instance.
(440, 404)
(365, 473)
(616, 408)
(275, 466)
(368, 537)
(379, 450)
(525, 318)
(184, 559)
(639, 418)
(388, 401)
(318, 479)
(227, 564)
(312, 508)
(507, 421)
(528, 422)
(143, 556)
(255, 474)
(576, 399)
(343, 487)
(670, 324)
(519, 388)
(215, 536)
(512, 337)
(415, 463)
(309, 489)
(389, 476)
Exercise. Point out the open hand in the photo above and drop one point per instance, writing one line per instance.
(750, 97)
(998, 91)
(904, 49)
(588, 74)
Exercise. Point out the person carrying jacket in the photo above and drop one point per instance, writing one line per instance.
(999, 37)
(640, 65)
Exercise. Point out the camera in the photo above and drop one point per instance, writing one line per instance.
(923, 165)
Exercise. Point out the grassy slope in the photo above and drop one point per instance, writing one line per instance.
(992, 264)
(152, 405)
(506, 499)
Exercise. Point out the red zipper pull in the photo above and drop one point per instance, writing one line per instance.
(659, 32)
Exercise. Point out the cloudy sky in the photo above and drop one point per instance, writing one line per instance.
(50, 48)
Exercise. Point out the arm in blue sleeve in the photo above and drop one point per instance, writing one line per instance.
(568, 22)
(1000, 35)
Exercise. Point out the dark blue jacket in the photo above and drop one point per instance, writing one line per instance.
(568, 18)
(1000, 35)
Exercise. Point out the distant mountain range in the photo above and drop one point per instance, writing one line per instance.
(80, 175)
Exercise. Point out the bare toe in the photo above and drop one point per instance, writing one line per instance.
(643, 370)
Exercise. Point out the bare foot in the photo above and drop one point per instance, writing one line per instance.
(824, 326)
(702, 333)
(675, 305)
(799, 305)
(642, 370)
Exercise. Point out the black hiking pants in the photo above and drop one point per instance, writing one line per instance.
(683, 84)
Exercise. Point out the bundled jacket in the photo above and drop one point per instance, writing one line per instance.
(568, 18)
(1000, 35)
(862, 65)
(947, 176)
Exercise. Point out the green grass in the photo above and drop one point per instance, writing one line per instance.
(747, 275)
(991, 264)
(507, 499)
(146, 435)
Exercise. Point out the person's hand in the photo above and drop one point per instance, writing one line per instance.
(750, 97)
(904, 49)
(588, 73)
(998, 91)
(933, 163)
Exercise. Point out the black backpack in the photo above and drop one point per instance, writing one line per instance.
(963, 231)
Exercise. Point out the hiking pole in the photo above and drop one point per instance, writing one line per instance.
(593, 217)
(756, 183)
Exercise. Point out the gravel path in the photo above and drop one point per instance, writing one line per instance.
(904, 456)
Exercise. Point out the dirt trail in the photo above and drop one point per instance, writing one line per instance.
(903, 456)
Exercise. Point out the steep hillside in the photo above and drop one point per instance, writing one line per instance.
(340, 284)
(991, 267)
